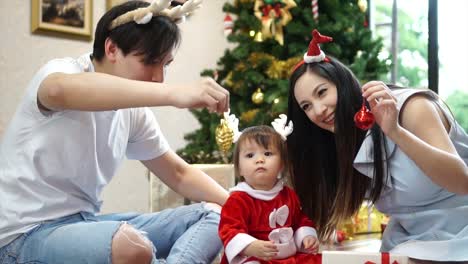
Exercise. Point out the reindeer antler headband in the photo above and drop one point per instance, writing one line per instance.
(314, 53)
(144, 15)
(279, 124)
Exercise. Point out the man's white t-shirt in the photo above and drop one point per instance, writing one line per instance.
(54, 165)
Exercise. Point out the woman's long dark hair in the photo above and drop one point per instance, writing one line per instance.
(322, 171)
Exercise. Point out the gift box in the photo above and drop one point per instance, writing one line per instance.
(352, 257)
(367, 220)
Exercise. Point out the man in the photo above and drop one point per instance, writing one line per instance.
(77, 122)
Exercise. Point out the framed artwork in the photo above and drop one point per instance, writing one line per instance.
(111, 3)
(64, 18)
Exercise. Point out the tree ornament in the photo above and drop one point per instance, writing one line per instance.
(362, 4)
(228, 80)
(257, 96)
(258, 37)
(339, 236)
(368, 219)
(277, 69)
(228, 24)
(274, 15)
(315, 12)
(224, 136)
(364, 119)
(249, 115)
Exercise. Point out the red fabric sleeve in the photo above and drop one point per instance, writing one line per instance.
(234, 216)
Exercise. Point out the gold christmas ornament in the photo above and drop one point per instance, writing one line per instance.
(257, 96)
(224, 136)
(274, 15)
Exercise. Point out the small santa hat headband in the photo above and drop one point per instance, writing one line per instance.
(143, 15)
(279, 124)
(314, 53)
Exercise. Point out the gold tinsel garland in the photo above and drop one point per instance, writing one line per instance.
(249, 115)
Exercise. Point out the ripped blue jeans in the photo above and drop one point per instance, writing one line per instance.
(186, 234)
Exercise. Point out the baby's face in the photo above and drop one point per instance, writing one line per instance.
(259, 166)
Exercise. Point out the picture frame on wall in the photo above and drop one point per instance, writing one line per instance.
(63, 18)
(112, 3)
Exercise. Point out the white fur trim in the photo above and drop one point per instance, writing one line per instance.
(258, 194)
(235, 247)
(301, 233)
(317, 58)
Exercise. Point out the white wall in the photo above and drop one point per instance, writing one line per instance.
(22, 53)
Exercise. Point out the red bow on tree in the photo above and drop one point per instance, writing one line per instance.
(267, 8)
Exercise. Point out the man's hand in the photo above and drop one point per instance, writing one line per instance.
(205, 93)
(261, 249)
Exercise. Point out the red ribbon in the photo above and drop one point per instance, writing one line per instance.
(385, 258)
(267, 8)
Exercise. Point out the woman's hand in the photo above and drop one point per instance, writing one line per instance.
(261, 249)
(311, 244)
(383, 105)
(205, 93)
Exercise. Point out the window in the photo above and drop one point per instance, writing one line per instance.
(404, 27)
(453, 57)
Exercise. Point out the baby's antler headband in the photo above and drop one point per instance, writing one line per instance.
(314, 53)
(279, 124)
(144, 15)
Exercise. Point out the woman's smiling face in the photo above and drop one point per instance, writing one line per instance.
(317, 97)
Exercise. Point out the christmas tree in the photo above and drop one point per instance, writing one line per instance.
(271, 37)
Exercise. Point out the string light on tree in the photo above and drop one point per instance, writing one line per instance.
(362, 5)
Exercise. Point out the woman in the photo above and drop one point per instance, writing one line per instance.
(412, 163)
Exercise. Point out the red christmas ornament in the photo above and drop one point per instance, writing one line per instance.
(340, 236)
(364, 119)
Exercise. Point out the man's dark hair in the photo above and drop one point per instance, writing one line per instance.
(152, 40)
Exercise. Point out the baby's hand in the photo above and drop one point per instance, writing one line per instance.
(310, 244)
(261, 249)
